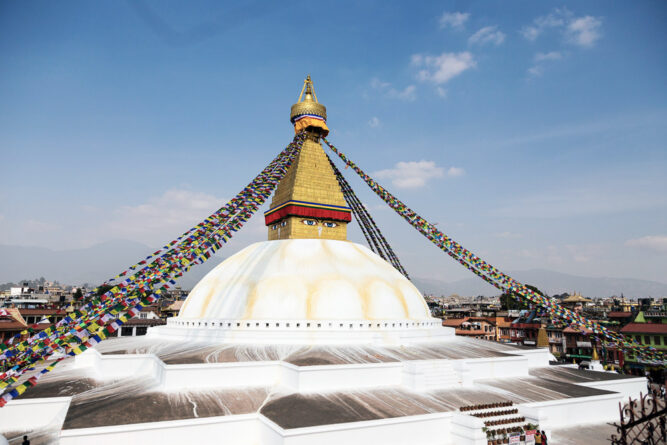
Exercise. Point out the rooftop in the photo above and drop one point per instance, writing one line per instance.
(576, 298)
(619, 314)
(645, 328)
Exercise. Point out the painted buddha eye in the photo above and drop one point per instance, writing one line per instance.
(330, 224)
(283, 223)
(309, 222)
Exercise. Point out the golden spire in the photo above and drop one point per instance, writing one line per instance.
(542, 338)
(308, 113)
(308, 202)
(595, 354)
(309, 89)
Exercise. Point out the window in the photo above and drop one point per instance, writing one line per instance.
(656, 340)
(647, 339)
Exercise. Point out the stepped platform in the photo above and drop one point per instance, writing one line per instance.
(291, 394)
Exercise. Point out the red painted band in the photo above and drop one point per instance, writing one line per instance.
(310, 212)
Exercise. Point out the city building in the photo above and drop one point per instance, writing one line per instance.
(473, 327)
(651, 331)
(11, 323)
(148, 318)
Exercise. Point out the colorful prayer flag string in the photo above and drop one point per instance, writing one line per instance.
(104, 315)
(494, 276)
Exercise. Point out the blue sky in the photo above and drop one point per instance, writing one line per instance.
(532, 132)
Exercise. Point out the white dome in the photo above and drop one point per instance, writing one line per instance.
(303, 279)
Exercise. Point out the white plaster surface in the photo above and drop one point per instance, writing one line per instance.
(303, 331)
(562, 413)
(305, 279)
(436, 428)
(28, 414)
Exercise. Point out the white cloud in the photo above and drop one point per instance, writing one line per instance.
(656, 243)
(584, 31)
(540, 59)
(378, 84)
(554, 19)
(553, 55)
(488, 34)
(411, 174)
(442, 92)
(407, 93)
(455, 172)
(172, 213)
(440, 69)
(536, 71)
(415, 174)
(455, 20)
(374, 122)
(581, 31)
(530, 32)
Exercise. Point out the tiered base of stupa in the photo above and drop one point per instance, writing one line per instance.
(162, 389)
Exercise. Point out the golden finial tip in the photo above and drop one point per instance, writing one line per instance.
(308, 104)
(308, 112)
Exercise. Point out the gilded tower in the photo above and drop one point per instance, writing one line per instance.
(308, 202)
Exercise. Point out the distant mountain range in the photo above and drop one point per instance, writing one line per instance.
(78, 266)
(551, 283)
(97, 263)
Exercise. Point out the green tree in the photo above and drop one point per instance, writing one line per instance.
(78, 294)
(101, 290)
(514, 301)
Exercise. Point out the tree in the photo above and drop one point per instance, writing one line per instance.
(78, 294)
(101, 290)
(513, 301)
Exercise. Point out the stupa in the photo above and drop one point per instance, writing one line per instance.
(308, 338)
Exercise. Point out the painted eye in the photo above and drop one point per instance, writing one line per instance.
(275, 226)
(309, 222)
(283, 224)
(330, 224)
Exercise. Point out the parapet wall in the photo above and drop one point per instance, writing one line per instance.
(377, 332)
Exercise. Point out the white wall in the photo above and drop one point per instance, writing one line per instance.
(381, 332)
(109, 367)
(467, 430)
(626, 387)
(30, 414)
(564, 413)
(424, 429)
(238, 374)
(492, 367)
(338, 377)
(220, 375)
(240, 429)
